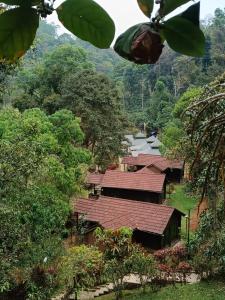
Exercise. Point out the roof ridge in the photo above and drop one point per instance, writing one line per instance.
(136, 201)
(132, 173)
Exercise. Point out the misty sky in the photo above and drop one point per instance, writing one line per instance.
(125, 13)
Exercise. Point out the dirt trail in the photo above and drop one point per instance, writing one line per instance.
(196, 215)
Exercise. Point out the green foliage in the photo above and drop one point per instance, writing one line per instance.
(177, 72)
(192, 14)
(204, 123)
(85, 19)
(142, 44)
(208, 244)
(170, 5)
(184, 37)
(146, 7)
(144, 266)
(183, 201)
(174, 136)
(81, 268)
(160, 109)
(16, 36)
(171, 136)
(185, 100)
(124, 42)
(118, 250)
(205, 289)
(116, 243)
(95, 99)
(122, 257)
(66, 79)
(38, 174)
(90, 22)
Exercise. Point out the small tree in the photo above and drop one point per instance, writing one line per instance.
(81, 268)
(172, 262)
(118, 249)
(144, 265)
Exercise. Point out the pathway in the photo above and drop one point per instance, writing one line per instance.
(132, 279)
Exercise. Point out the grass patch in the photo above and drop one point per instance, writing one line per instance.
(180, 200)
(205, 290)
(183, 202)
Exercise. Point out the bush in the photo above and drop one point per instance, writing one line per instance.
(81, 268)
(172, 261)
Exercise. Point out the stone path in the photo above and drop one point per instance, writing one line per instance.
(131, 279)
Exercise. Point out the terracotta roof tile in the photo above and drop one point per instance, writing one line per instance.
(113, 213)
(149, 170)
(147, 159)
(134, 181)
(94, 178)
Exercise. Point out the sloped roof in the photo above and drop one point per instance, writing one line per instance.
(134, 181)
(168, 164)
(113, 213)
(151, 139)
(140, 135)
(141, 159)
(149, 170)
(150, 151)
(94, 178)
(156, 143)
(141, 145)
(158, 161)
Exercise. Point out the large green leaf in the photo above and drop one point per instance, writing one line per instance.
(17, 31)
(170, 5)
(87, 20)
(183, 36)
(192, 14)
(146, 6)
(124, 41)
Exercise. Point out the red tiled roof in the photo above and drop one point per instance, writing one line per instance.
(150, 182)
(147, 159)
(94, 178)
(149, 170)
(141, 159)
(113, 213)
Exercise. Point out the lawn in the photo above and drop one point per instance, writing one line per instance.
(205, 290)
(183, 202)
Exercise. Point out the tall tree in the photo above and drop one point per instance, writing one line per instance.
(96, 100)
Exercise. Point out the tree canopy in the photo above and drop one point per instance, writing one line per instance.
(66, 79)
(41, 166)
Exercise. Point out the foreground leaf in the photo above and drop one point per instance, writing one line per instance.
(146, 6)
(192, 14)
(17, 31)
(124, 41)
(170, 5)
(184, 37)
(88, 21)
(140, 44)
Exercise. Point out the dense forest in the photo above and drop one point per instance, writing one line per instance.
(147, 93)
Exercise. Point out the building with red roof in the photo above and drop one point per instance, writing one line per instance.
(94, 179)
(153, 225)
(158, 164)
(141, 186)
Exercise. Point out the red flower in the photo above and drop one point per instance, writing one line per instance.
(184, 267)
